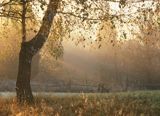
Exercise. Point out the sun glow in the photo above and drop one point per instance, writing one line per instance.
(125, 30)
(130, 11)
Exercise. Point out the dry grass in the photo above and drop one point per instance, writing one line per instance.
(115, 104)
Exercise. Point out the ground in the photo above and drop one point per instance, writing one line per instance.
(139, 103)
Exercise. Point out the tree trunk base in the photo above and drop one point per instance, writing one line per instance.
(23, 87)
(24, 95)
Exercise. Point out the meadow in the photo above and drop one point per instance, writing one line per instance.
(138, 103)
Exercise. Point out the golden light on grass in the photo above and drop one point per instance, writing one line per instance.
(120, 104)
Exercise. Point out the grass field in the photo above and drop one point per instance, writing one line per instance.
(140, 103)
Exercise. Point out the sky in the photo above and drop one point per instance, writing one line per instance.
(130, 10)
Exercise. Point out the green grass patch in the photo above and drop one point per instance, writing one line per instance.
(140, 103)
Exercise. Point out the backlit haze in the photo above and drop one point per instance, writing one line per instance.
(85, 60)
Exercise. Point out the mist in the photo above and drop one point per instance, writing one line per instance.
(118, 62)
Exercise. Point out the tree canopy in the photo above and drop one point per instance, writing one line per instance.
(81, 16)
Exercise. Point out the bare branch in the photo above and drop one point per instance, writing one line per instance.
(6, 3)
(78, 16)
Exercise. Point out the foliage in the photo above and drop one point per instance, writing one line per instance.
(54, 46)
(84, 18)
